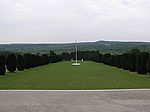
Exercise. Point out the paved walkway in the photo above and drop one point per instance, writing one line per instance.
(75, 101)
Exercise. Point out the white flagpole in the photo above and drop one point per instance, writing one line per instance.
(76, 52)
(76, 63)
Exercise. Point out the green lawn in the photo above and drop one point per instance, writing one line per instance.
(63, 75)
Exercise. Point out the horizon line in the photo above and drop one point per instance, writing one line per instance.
(74, 42)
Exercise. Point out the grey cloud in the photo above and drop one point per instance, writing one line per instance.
(68, 20)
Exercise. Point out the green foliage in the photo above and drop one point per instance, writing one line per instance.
(53, 57)
(20, 62)
(148, 65)
(2, 65)
(131, 62)
(27, 60)
(65, 56)
(112, 47)
(141, 61)
(11, 62)
(134, 51)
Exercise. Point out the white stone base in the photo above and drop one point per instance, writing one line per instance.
(76, 64)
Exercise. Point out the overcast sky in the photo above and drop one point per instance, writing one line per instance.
(69, 20)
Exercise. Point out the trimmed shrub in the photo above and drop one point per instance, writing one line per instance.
(148, 65)
(53, 57)
(124, 62)
(118, 61)
(11, 62)
(132, 62)
(20, 62)
(2, 65)
(33, 60)
(141, 61)
(66, 56)
(27, 61)
(106, 57)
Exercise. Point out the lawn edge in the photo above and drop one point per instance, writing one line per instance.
(103, 90)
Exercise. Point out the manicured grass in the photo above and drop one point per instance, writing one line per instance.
(63, 75)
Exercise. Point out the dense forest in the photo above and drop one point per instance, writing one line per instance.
(112, 47)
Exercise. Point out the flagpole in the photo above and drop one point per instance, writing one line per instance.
(76, 53)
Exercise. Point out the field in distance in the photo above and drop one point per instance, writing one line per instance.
(64, 76)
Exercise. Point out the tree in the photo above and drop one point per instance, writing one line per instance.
(134, 51)
(124, 62)
(45, 59)
(106, 57)
(20, 62)
(141, 61)
(96, 56)
(132, 62)
(38, 60)
(11, 62)
(33, 60)
(2, 65)
(65, 56)
(118, 61)
(27, 60)
(148, 65)
(53, 57)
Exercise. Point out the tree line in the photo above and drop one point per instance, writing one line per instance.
(16, 61)
(134, 60)
(86, 55)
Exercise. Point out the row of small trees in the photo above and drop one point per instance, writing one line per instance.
(13, 62)
(86, 55)
(135, 62)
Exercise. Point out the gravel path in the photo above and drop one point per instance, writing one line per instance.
(75, 101)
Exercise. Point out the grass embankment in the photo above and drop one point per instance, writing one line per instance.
(63, 75)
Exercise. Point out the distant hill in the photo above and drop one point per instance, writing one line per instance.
(114, 47)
